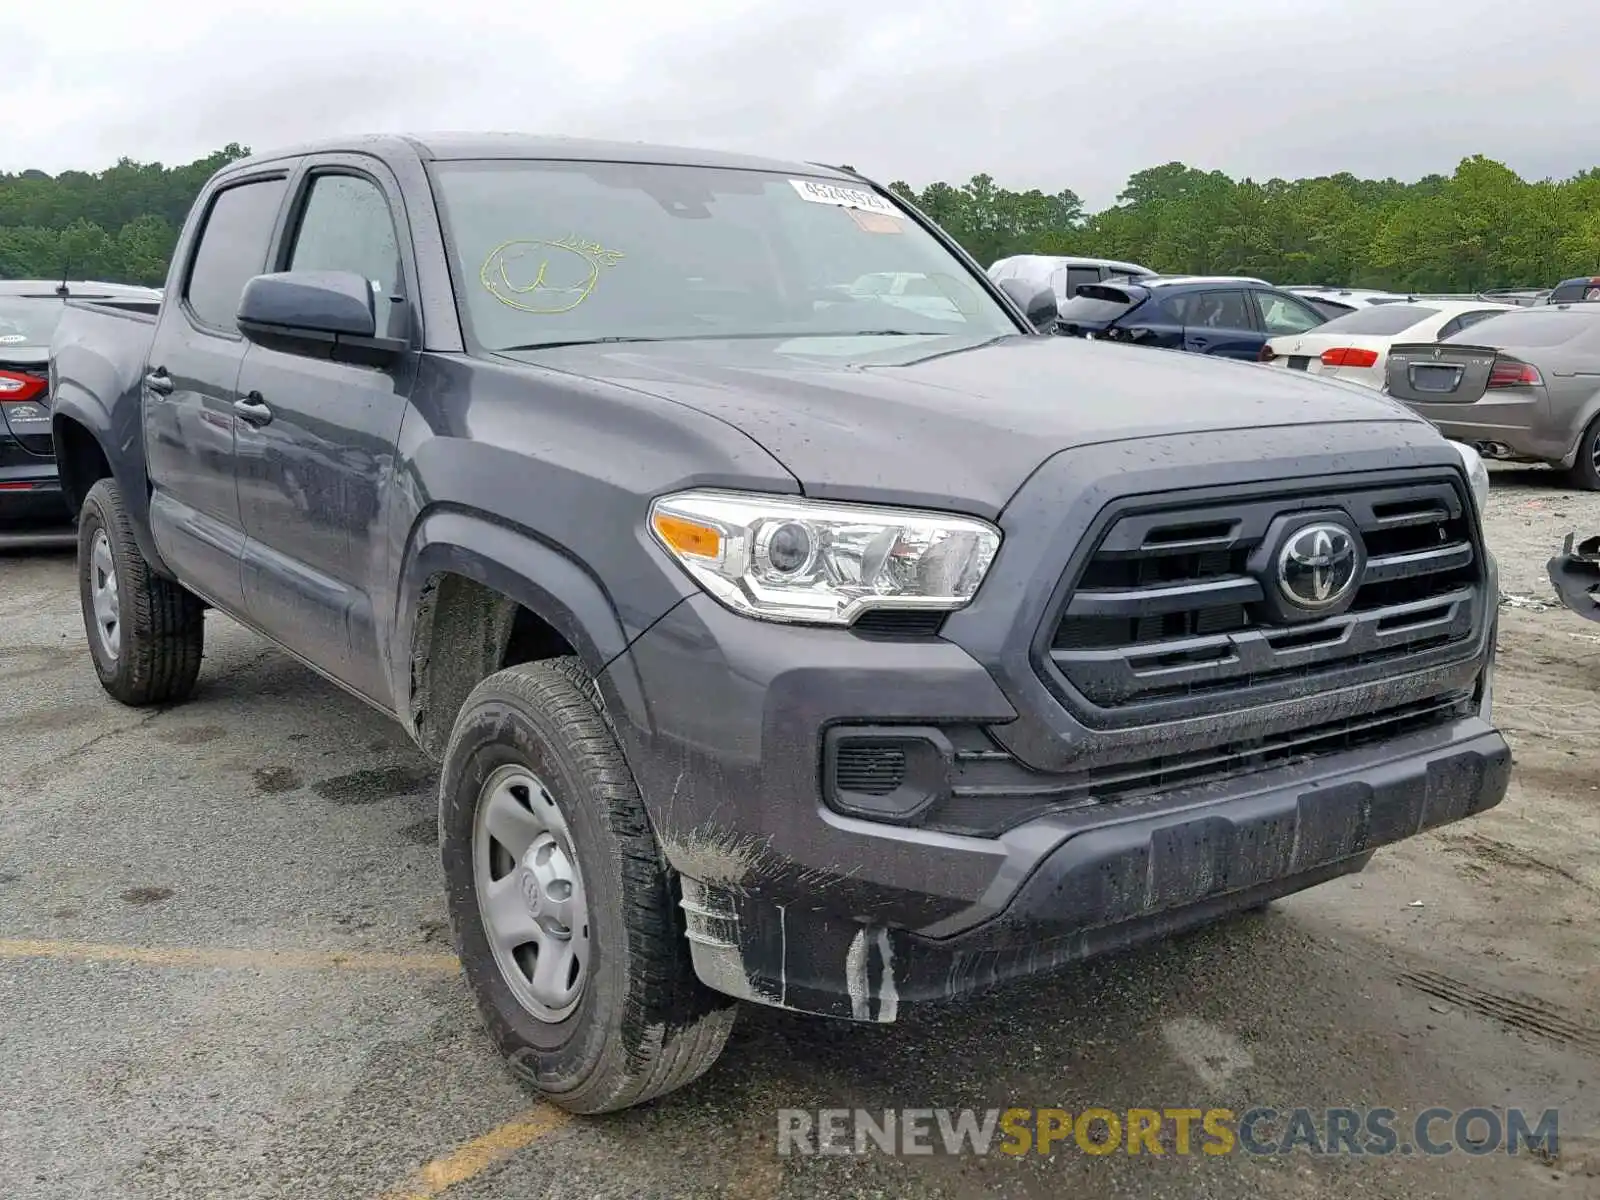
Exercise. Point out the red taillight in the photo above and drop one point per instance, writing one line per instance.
(1508, 372)
(16, 386)
(1266, 354)
(1349, 356)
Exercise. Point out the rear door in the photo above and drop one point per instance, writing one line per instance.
(1219, 321)
(317, 455)
(190, 389)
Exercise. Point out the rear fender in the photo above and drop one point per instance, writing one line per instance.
(118, 434)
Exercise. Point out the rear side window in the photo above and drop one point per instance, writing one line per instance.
(1381, 320)
(1534, 327)
(1078, 276)
(232, 250)
(1211, 310)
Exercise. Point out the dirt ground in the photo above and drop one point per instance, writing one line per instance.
(224, 969)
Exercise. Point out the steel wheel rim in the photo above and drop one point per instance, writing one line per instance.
(530, 893)
(104, 600)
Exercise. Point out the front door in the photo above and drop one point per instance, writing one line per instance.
(318, 452)
(189, 394)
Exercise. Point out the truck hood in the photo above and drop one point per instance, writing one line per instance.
(913, 419)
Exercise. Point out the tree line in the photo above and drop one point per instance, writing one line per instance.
(1482, 226)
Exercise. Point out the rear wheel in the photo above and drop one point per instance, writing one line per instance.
(1585, 472)
(562, 908)
(146, 634)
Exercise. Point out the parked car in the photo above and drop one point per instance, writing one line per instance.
(1355, 347)
(1522, 385)
(1575, 575)
(1228, 316)
(1571, 291)
(1333, 301)
(32, 512)
(1063, 275)
(778, 646)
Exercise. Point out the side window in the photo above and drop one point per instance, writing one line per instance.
(346, 226)
(1076, 276)
(232, 250)
(1281, 315)
(1217, 310)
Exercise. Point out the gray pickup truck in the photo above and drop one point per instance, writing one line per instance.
(779, 642)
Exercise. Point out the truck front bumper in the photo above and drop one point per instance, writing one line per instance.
(791, 902)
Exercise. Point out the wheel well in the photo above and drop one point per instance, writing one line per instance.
(80, 462)
(466, 631)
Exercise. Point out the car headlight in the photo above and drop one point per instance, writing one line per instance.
(1477, 473)
(819, 563)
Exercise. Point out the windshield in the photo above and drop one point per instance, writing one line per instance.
(555, 252)
(28, 320)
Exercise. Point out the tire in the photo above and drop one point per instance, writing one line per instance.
(640, 1023)
(150, 652)
(1585, 471)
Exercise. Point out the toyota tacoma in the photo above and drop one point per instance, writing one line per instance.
(779, 642)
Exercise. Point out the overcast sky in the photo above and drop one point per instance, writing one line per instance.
(1070, 93)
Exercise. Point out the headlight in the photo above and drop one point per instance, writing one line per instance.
(819, 563)
(1477, 473)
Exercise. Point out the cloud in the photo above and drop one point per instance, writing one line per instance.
(1067, 94)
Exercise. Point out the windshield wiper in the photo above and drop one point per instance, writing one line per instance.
(730, 337)
(594, 341)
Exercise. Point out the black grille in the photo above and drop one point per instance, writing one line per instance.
(868, 769)
(1168, 610)
(899, 624)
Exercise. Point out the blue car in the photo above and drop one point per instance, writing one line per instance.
(1230, 316)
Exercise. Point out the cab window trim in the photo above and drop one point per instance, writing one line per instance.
(192, 257)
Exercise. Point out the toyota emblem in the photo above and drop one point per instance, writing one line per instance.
(1317, 566)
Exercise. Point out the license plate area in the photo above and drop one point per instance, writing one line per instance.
(1299, 362)
(1434, 378)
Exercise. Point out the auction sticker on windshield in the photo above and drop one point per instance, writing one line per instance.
(831, 193)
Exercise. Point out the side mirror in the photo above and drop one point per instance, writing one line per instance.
(324, 314)
(1037, 304)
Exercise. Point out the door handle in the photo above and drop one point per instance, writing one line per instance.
(252, 410)
(159, 382)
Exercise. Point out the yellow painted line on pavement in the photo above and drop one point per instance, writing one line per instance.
(473, 1158)
(201, 956)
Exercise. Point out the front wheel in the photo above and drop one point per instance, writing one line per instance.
(146, 634)
(561, 906)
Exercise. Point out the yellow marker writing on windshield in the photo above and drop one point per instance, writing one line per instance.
(545, 276)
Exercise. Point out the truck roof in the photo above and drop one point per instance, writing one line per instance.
(444, 147)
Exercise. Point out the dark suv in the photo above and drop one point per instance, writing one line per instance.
(32, 511)
(1229, 316)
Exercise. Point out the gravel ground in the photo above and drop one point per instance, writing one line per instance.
(224, 968)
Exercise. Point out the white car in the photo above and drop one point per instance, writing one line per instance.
(1356, 346)
(1062, 274)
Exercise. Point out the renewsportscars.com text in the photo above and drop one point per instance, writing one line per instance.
(1168, 1131)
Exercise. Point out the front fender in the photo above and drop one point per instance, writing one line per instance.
(517, 564)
